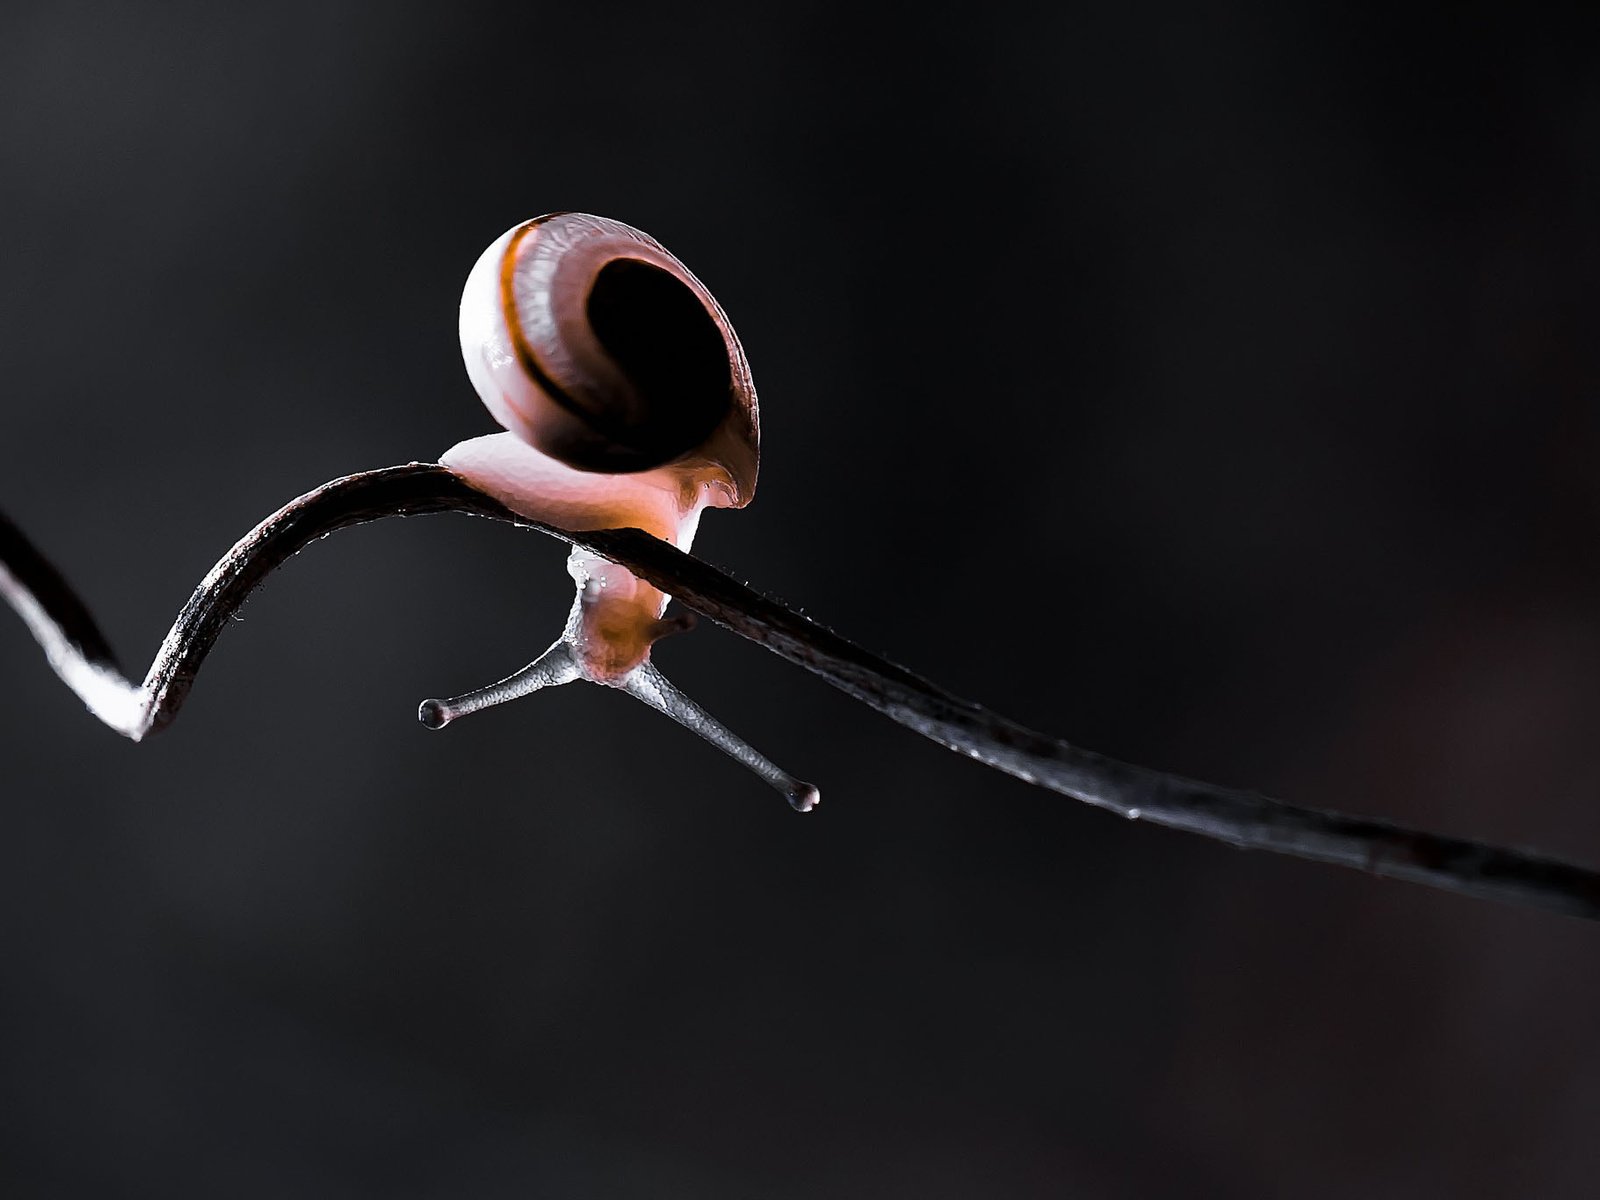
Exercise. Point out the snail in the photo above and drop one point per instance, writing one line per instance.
(626, 401)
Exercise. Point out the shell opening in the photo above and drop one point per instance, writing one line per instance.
(658, 332)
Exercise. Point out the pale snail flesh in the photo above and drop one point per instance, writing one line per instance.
(627, 402)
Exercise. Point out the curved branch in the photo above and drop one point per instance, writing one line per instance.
(81, 656)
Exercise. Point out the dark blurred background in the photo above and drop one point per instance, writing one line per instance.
(1218, 391)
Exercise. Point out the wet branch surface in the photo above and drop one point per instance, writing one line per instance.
(80, 654)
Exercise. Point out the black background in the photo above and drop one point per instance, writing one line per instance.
(1217, 391)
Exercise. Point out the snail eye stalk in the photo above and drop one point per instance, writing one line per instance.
(551, 669)
(646, 683)
(587, 650)
(559, 665)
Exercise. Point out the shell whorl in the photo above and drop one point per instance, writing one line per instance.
(590, 341)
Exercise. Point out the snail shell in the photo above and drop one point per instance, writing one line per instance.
(590, 342)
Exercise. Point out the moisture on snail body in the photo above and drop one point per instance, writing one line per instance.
(627, 402)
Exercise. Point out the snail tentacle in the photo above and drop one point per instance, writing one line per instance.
(645, 682)
(553, 668)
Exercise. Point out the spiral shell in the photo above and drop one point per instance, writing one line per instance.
(592, 343)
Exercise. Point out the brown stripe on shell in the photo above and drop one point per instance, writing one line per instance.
(508, 309)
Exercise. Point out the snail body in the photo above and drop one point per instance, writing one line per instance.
(617, 615)
(627, 401)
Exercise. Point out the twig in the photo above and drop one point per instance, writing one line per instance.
(81, 656)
